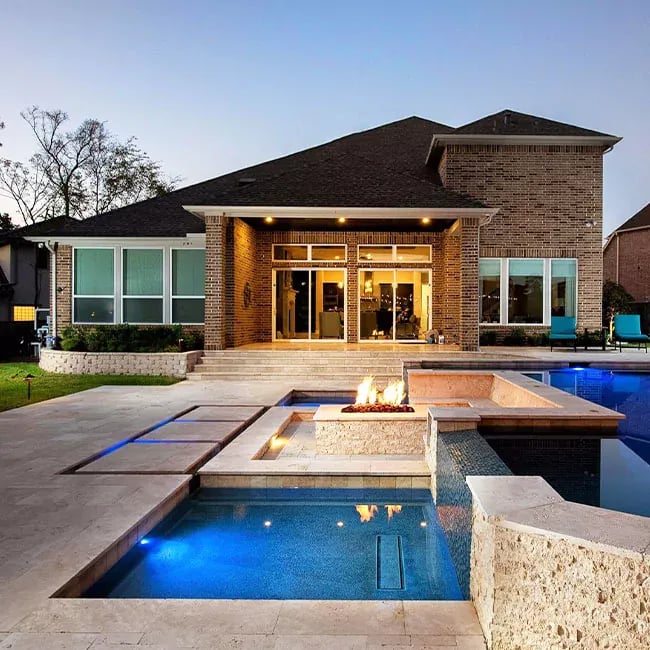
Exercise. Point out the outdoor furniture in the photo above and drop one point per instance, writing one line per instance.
(563, 328)
(627, 328)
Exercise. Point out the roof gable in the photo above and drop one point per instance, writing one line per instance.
(509, 122)
(640, 220)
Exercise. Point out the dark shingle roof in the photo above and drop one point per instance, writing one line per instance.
(381, 167)
(56, 225)
(508, 122)
(640, 220)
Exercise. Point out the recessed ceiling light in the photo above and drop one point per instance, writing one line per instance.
(268, 219)
(341, 220)
(368, 256)
(426, 221)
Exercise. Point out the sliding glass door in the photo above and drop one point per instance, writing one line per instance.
(309, 304)
(394, 304)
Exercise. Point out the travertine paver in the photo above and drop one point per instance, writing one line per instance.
(181, 430)
(151, 458)
(221, 413)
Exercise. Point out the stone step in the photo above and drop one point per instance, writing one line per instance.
(229, 376)
(304, 367)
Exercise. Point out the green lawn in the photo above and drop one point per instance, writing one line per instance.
(46, 385)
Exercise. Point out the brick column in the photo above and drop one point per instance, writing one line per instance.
(63, 316)
(469, 247)
(215, 282)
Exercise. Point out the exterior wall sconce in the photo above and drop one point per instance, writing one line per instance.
(590, 223)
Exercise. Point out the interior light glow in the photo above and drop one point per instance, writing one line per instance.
(426, 221)
(268, 219)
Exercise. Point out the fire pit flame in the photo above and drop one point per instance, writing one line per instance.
(370, 400)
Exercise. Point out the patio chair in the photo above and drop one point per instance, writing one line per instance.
(329, 323)
(563, 328)
(627, 328)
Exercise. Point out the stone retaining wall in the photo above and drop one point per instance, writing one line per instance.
(548, 573)
(168, 364)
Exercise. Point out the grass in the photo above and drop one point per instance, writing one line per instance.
(46, 385)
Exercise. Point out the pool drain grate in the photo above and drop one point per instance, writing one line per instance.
(390, 562)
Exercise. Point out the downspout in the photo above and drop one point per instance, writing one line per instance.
(53, 291)
(616, 234)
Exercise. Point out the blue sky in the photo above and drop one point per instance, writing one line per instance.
(211, 86)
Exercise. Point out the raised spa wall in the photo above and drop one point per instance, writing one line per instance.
(549, 573)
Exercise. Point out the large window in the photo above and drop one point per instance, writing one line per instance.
(188, 285)
(142, 285)
(490, 291)
(563, 288)
(520, 291)
(526, 291)
(93, 285)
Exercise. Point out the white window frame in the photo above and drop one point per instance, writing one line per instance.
(172, 297)
(480, 297)
(165, 288)
(309, 253)
(75, 295)
(394, 254)
(547, 278)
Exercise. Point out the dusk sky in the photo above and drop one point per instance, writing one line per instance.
(209, 87)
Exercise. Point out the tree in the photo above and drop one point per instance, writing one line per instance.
(616, 300)
(79, 172)
(5, 222)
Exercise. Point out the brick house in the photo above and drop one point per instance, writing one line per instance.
(626, 255)
(378, 236)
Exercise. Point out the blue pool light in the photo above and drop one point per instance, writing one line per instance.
(144, 541)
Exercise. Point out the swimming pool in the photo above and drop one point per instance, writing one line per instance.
(610, 473)
(291, 543)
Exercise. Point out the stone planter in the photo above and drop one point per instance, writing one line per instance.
(168, 364)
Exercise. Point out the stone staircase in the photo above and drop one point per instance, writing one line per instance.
(277, 365)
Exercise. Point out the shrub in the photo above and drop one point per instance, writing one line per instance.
(130, 338)
(517, 336)
(488, 338)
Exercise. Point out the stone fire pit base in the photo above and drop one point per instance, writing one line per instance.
(344, 434)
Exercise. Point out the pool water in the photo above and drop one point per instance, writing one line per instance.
(291, 543)
(612, 473)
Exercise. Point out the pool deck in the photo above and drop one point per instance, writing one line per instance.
(53, 525)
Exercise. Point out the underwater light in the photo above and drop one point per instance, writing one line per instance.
(267, 524)
(144, 541)
(423, 524)
(340, 524)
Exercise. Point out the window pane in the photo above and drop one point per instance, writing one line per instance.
(563, 288)
(143, 310)
(413, 253)
(188, 272)
(93, 310)
(286, 252)
(22, 313)
(327, 253)
(490, 290)
(375, 253)
(526, 291)
(93, 271)
(143, 272)
(188, 310)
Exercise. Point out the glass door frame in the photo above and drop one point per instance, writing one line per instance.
(394, 270)
(309, 338)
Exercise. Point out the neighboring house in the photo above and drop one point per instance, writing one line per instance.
(400, 229)
(626, 255)
(24, 270)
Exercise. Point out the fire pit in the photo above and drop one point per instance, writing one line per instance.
(378, 423)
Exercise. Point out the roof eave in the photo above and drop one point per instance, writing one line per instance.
(291, 212)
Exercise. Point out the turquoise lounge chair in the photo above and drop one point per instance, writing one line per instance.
(563, 328)
(627, 328)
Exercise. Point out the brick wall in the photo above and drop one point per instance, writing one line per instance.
(633, 263)
(545, 195)
(243, 280)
